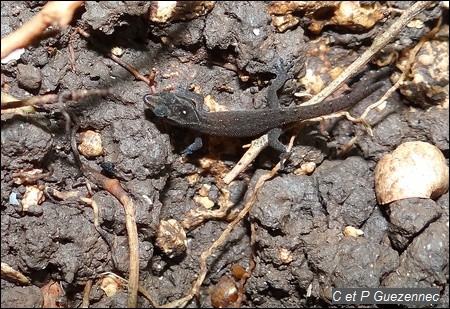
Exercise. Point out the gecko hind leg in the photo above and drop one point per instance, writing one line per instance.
(283, 75)
(274, 142)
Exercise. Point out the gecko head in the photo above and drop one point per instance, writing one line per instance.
(173, 108)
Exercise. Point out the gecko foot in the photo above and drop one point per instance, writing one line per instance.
(283, 158)
(274, 142)
(196, 145)
(283, 74)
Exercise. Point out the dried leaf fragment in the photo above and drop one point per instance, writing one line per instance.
(355, 16)
(352, 231)
(165, 11)
(348, 14)
(285, 255)
(204, 201)
(110, 285)
(54, 295)
(10, 273)
(428, 82)
(171, 238)
(33, 196)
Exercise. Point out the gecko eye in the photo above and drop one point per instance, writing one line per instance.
(161, 111)
(182, 111)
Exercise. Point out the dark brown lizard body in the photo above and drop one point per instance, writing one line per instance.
(180, 110)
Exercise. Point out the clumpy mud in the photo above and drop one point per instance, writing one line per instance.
(292, 239)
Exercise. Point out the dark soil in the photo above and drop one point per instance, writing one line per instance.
(220, 54)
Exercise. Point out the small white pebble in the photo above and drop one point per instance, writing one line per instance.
(414, 169)
(13, 199)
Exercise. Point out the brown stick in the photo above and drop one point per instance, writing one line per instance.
(113, 186)
(54, 13)
(55, 98)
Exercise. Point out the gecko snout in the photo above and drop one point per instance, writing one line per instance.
(149, 100)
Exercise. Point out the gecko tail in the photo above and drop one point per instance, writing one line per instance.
(363, 88)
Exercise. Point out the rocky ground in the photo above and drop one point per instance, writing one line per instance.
(291, 246)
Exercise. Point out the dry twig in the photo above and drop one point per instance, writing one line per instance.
(54, 13)
(55, 98)
(113, 186)
(10, 274)
(86, 293)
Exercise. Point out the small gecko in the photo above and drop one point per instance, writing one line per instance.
(185, 110)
